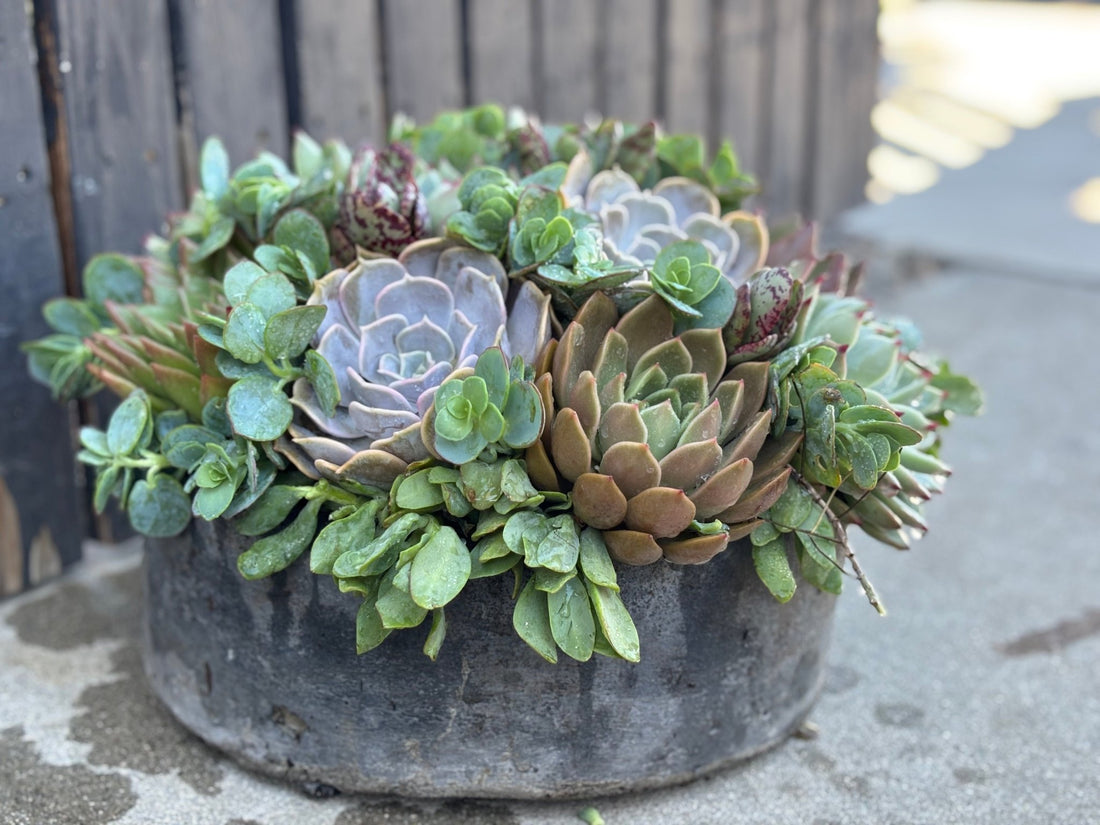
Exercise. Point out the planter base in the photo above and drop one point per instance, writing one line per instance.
(267, 672)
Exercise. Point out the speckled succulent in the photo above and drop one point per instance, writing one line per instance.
(494, 347)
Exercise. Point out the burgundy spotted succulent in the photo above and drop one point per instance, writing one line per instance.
(765, 316)
(382, 209)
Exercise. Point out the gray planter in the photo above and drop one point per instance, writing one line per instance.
(267, 672)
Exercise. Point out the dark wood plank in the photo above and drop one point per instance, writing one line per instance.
(739, 66)
(500, 36)
(568, 32)
(423, 48)
(847, 74)
(340, 64)
(40, 518)
(121, 122)
(121, 133)
(784, 160)
(629, 59)
(233, 75)
(687, 81)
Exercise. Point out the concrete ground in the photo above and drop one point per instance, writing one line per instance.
(975, 701)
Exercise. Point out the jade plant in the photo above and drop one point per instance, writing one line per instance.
(494, 347)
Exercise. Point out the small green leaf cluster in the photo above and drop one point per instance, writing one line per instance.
(476, 136)
(248, 203)
(488, 199)
(164, 469)
(265, 346)
(60, 360)
(536, 235)
(542, 233)
(492, 489)
(686, 155)
(845, 437)
(800, 519)
(406, 561)
(493, 410)
(684, 277)
(571, 600)
(283, 539)
(410, 565)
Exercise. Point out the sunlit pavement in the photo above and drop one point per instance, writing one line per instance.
(974, 701)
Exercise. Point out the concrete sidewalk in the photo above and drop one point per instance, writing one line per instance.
(974, 702)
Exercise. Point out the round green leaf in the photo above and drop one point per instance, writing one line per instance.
(113, 277)
(94, 440)
(244, 333)
(211, 502)
(531, 620)
(70, 316)
(272, 293)
(571, 620)
(258, 408)
(558, 550)
(106, 482)
(595, 561)
(289, 332)
(239, 279)
(214, 168)
(436, 635)
(279, 550)
(269, 510)
(369, 631)
(215, 239)
(323, 378)
(440, 569)
(417, 493)
(774, 570)
(159, 509)
(299, 230)
(396, 607)
(523, 416)
(615, 622)
(340, 536)
(129, 424)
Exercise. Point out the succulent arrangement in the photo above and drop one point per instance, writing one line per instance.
(498, 348)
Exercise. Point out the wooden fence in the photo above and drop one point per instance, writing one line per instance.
(103, 103)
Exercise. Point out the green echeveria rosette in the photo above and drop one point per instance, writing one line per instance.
(479, 408)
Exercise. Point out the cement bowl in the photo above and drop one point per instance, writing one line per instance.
(267, 672)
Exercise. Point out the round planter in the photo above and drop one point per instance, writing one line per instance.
(267, 671)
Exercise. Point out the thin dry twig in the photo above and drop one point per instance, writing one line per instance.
(842, 542)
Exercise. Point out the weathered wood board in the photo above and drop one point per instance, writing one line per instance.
(847, 74)
(423, 48)
(232, 80)
(568, 70)
(40, 517)
(340, 70)
(629, 59)
(501, 37)
(120, 122)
